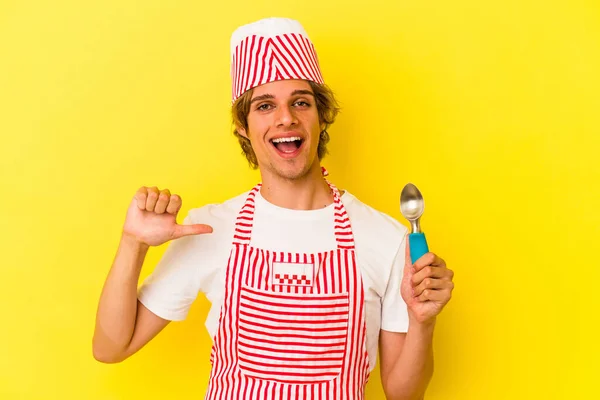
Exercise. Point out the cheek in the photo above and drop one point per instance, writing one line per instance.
(310, 122)
(256, 133)
(316, 130)
(258, 127)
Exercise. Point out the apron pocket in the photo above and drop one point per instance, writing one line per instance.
(292, 338)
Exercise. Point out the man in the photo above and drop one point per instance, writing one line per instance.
(306, 283)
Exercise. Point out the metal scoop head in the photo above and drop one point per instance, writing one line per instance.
(412, 206)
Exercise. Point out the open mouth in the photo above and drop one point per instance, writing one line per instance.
(287, 146)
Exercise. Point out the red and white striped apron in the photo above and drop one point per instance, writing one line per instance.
(292, 326)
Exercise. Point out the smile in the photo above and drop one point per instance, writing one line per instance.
(288, 146)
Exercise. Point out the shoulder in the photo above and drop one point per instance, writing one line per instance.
(368, 220)
(378, 236)
(220, 216)
(217, 213)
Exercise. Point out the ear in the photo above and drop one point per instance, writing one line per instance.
(322, 126)
(242, 132)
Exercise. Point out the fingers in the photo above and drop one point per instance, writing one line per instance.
(428, 259)
(431, 272)
(159, 202)
(163, 201)
(429, 284)
(151, 198)
(174, 204)
(431, 280)
(140, 197)
(435, 295)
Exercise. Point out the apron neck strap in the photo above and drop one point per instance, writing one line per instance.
(342, 228)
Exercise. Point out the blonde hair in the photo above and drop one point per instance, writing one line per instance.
(327, 107)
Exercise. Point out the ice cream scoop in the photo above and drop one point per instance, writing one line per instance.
(412, 206)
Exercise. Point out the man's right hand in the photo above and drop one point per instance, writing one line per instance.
(152, 218)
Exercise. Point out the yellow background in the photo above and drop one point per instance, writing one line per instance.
(491, 108)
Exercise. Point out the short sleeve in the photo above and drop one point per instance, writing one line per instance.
(394, 313)
(172, 287)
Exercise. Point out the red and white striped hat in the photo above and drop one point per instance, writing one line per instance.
(269, 50)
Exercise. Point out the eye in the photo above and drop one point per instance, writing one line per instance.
(302, 103)
(264, 107)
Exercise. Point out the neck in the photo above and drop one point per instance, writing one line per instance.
(309, 192)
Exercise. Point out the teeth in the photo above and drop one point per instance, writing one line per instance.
(290, 139)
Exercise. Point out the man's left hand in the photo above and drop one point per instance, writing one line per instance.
(426, 286)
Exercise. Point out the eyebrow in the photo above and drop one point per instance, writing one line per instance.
(262, 97)
(270, 96)
(303, 91)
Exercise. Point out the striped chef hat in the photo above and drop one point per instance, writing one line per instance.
(269, 50)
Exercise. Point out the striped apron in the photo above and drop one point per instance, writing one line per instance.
(292, 326)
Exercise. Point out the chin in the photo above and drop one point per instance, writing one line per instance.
(292, 172)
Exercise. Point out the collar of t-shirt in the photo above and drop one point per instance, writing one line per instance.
(297, 231)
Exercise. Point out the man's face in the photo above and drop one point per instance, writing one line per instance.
(283, 127)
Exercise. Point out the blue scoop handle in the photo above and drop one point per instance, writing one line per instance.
(418, 246)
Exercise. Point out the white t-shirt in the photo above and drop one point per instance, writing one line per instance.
(198, 263)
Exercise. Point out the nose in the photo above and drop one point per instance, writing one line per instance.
(285, 116)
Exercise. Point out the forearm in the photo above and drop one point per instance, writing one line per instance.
(410, 375)
(117, 308)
